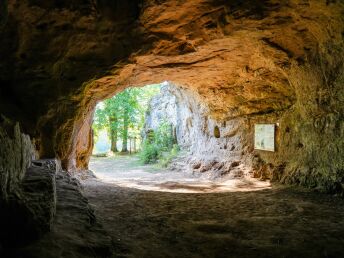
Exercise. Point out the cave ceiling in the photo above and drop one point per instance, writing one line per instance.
(59, 57)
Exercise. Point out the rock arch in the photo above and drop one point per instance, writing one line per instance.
(248, 62)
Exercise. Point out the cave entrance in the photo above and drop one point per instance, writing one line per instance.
(119, 122)
(135, 137)
(158, 138)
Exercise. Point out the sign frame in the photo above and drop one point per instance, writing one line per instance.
(266, 141)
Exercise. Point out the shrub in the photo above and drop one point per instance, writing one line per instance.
(149, 153)
(166, 159)
(163, 136)
(157, 143)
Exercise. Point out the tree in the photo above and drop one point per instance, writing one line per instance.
(123, 115)
(113, 132)
(106, 117)
(127, 108)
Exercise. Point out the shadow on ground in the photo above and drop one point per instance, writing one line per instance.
(276, 222)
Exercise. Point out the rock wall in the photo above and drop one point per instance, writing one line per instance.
(308, 146)
(39, 203)
(163, 107)
(214, 148)
(27, 188)
(312, 132)
(245, 61)
(16, 154)
(50, 50)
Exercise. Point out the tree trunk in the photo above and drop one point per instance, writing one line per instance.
(130, 145)
(113, 133)
(134, 144)
(125, 130)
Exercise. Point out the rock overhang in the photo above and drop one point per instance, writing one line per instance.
(244, 59)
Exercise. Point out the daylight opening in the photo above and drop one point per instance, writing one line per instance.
(154, 138)
(119, 121)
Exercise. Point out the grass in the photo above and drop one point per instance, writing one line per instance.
(132, 161)
(127, 161)
(167, 157)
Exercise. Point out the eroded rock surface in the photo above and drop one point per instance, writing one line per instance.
(27, 212)
(16, 153)
(247, 61)
(39, 203)
(238, 63)
(58, 220)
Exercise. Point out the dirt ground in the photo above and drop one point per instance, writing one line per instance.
(127, 171)
(274, 221)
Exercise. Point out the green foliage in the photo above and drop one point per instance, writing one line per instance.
(159, 145)
(149, 152)
(165, 160)
(123, 115)
(163, 136)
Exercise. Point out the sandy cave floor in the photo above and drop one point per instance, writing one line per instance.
(128, 171)
(206, 220)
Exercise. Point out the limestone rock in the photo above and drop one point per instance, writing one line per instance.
(161, 108)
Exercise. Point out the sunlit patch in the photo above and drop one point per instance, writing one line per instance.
(152, 179)
(232, 185)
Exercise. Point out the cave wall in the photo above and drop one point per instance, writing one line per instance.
(312, 135)
(215, 148)
(50, 49)
(308, 135)
(16, 154)
(27, 192)
(307, 104)
(247, 61)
